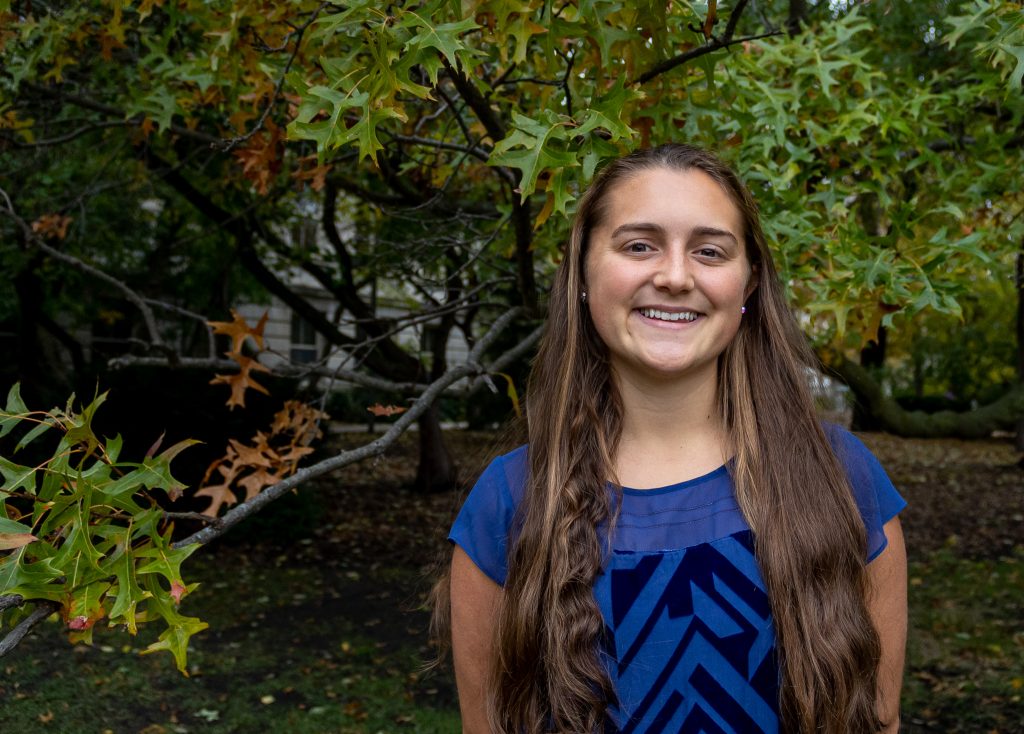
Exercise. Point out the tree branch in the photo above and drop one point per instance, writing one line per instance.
(43, 610)
(131, 295)
(716, 44)
(374, 448)
(977, 423)
(297, 34)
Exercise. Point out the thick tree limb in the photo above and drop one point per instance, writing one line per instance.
(977, 423)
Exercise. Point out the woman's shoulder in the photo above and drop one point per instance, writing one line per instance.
(505, 475)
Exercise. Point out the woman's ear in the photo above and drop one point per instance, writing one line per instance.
(755, 278)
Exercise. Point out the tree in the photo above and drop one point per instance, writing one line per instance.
(440, 145)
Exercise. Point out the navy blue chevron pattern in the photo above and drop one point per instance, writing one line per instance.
(693, 645)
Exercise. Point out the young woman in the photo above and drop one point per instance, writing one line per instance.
(682, 546)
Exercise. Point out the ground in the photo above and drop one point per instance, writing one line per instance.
(317, 620)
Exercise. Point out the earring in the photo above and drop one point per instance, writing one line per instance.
(743, 310)
(583, 297)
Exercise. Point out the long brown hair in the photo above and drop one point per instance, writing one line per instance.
(810, 541)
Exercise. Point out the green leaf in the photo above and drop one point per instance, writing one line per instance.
(30, 580)
(15, 411)
(606, 112)
(17, 477)
(86, 608)
(533, 147)
(443, 38)
(179, 630)
(165, 560)
(127, 593)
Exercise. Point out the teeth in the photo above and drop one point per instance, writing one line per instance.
(653, 313)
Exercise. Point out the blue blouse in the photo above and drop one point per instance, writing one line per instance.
(690, 644)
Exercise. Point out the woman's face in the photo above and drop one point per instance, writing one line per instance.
(666, 273)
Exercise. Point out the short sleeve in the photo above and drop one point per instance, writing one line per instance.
(482, 526)
(876, 497)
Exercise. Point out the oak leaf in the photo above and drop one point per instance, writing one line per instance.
(255, 482)
(52, 225)
(386, 410)
(239, 330)
(241, 381)
(219, 494)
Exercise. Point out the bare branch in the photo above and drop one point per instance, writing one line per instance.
(716, 44)
(473, 150)
(210, 342)
(9, 601)
(43, 610)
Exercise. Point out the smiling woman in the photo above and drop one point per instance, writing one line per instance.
(682, 546)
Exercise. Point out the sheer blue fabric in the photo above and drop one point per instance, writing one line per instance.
(689, 642)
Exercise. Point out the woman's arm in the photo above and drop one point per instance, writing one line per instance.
(887, 604)
(474, 599)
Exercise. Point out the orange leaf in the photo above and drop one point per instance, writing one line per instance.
(712, 18)
(386, 410)
(52, 225)
(241, 381)
(220, 495)
(257, 481)
(239, 330)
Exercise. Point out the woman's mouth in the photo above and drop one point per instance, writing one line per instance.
(659, 315)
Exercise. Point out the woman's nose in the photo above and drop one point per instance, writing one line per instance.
(674, 273)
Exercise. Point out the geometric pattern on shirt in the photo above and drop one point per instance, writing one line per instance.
(692, 641)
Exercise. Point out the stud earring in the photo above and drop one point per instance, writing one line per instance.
(583, 297)
(743, 310)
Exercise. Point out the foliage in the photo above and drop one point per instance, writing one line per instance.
(86, 533)
(199, 152)
(510, 108)
(941, 355)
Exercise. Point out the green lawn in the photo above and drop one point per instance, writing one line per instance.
(316, 619)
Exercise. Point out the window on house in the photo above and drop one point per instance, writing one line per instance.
(303, 348)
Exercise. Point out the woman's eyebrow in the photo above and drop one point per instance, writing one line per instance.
(701, 231)
(713, 232)
(637, 227)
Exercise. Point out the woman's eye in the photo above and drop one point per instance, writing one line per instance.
(708, 252)
(637, 247)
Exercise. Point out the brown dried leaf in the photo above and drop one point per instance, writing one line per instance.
(239, 330)
(386, 410)
(220, 495)
(52, 225)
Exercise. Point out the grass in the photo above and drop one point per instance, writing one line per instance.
(966, 645)
(276, 659)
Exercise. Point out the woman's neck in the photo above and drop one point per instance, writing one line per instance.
(671, 430)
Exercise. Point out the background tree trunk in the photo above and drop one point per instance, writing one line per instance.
(436, 470)
(872, 357)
